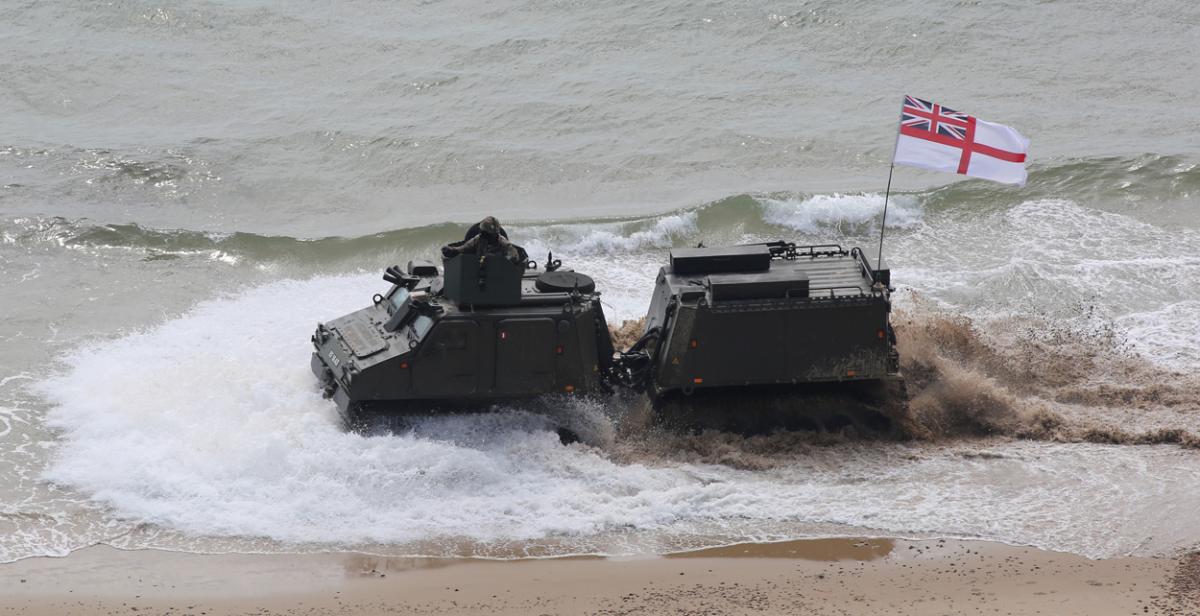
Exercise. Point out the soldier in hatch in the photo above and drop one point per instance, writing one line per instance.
(488, 238)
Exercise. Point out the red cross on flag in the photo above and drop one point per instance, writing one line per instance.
(934, 137)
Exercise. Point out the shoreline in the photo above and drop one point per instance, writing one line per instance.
(814, 576)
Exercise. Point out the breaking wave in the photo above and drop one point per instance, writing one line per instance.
(847, 214)
(1155, 183)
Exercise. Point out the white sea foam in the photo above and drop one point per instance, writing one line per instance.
(210, 424)
(1168, 335)
(841, 212)
(1057, 258)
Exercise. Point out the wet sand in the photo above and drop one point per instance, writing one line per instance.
(829, 576)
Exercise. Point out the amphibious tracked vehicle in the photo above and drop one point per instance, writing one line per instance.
(736, 331)
(484, 330)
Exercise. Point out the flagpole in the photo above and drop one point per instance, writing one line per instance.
(883, 224)
(888, 193)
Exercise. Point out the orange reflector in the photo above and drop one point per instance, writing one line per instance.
(404, 365)
(558, 350)
(851, 373)
(569, 388)
(880, 334)
(695, 343)
(697, 380)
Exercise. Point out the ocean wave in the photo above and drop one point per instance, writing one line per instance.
(1149, 182)
(1168, 334)
(846, 214)
(734, 219)
(608, 238)
(1153, 184)
(1053, 259)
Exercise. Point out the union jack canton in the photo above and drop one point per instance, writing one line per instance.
(934, 118)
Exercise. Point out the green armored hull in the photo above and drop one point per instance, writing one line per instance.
(484, 331)
(769, 315)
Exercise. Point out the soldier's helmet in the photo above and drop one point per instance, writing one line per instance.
(489, 226)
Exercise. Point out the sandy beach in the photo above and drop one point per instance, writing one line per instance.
(827, 576)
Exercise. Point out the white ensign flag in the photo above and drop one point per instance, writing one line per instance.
(940, 139)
